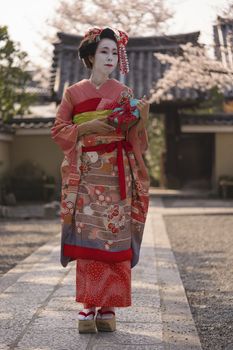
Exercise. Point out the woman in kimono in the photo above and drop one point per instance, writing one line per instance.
(104, 197)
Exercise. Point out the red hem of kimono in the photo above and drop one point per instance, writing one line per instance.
(76, 252)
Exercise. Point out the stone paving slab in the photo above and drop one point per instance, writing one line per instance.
(22, 211)
(179, 330)
(38, 309)
(193, 211)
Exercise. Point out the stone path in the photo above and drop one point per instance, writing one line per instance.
(38, 309)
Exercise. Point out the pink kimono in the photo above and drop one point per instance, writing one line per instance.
(104, 199)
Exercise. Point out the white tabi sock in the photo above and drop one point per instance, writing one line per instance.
(106, 316)
(89, 317)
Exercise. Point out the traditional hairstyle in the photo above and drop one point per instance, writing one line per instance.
(91, 40)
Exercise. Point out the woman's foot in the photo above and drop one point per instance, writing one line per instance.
(106, 320)
(86, 320)
(106, 313)
(87, 313)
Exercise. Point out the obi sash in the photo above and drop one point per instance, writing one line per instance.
(107, 147)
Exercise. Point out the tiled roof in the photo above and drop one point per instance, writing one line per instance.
(41, 117)
(219, 119)
(145, 69)
(32, 123)
(41, 91)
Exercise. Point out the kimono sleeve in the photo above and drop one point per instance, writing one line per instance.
(64, 132)
(143, 137)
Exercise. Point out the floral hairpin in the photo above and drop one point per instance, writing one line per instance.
(93, 35)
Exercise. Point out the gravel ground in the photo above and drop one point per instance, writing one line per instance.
(203, 247)
(19, 238)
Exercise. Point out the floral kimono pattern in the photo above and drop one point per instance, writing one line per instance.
(104, 197)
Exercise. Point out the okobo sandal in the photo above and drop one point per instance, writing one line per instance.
(86, 322)
(105, 324)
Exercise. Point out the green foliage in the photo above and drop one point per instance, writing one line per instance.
(27, 181)
(14, 100)
(213, 103)
(156, 138)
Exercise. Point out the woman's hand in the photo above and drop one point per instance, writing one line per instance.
(95, 126)
(143, 106)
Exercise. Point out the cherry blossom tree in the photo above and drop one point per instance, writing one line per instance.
(227, 10)
(138, 17)
(193, 70)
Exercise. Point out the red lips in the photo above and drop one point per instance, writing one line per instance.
(109, 65)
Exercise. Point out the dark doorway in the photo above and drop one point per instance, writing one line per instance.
(195, 153)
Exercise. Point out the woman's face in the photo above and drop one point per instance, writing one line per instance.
(106, 57)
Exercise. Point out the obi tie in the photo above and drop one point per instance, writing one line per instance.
(110, 147)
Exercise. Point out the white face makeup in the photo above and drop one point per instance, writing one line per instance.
(106, 57)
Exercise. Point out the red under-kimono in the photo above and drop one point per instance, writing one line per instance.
(102, 218)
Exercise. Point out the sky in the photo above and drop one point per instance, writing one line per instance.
(26, 21)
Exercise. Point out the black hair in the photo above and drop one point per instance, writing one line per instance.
(87, 49)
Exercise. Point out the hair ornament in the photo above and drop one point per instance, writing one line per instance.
(93, 35)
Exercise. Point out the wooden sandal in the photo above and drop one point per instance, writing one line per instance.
(105, 325)
(87, 326)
